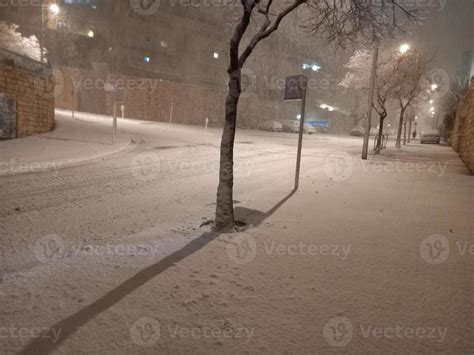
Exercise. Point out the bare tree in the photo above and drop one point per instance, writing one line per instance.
(408, 83)
(358, 78)
(337, 21)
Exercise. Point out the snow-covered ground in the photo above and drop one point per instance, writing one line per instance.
(110, 257)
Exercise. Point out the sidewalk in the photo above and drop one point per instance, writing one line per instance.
(72, 142)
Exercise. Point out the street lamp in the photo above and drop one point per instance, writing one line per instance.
(404, 48)
(54, 10)
(434, 87)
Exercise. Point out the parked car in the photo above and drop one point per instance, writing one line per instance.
(309, 128)
(270, 125)
(357, 131)
(292, 126)
(430, 137)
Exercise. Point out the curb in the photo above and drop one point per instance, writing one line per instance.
(51, 165)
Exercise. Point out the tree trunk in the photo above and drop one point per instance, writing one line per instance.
(224, 203)
(400, 127)
(379, 138)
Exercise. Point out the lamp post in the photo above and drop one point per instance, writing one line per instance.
(365, 147)
(53, 9)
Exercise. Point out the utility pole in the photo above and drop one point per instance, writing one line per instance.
(304, 83)
(365, 147)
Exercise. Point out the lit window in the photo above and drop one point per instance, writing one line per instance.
(147, 59)
(164, 44)
(216, 55)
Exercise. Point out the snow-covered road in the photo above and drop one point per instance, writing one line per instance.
(109, 256)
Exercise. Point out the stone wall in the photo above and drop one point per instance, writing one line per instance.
(462, 139)
(32, 86)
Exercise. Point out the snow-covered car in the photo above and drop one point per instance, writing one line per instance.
(292, 126)
(309, 128)
(430, 137)
(272, 126)
(357, 131)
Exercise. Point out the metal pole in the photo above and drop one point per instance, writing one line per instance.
(365, 147)
(72, 106)
(42, 31)
(114, 126)
(171, 113)
(300, 137)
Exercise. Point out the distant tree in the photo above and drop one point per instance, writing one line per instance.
(358, 78)
(408, 83)
(13, 41)
(335, 21)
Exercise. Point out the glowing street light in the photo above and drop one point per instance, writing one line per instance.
(54, 9)
(434, 87)
(90, 34)
(313, 67)
(404, 48)
(431, 101)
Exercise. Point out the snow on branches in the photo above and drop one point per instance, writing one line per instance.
(13, 41)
